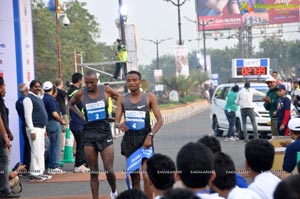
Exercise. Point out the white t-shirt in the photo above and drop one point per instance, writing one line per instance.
(245, 97)
(264, 185)
(238, 193)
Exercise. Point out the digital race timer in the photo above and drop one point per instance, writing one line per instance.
(246, 71)
(250, 67)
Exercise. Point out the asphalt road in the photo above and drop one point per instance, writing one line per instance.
(169, 140)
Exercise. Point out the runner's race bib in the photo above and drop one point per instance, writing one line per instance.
(135, 120)
(95, 111)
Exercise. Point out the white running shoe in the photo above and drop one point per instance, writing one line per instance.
(37, 178)
(113, 195)
(229, 139)
(55, 171)
(236, 138)
(48, 177)
(81, 169)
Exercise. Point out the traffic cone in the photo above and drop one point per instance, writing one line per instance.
(68, 154)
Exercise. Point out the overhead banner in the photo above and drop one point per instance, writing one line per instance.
(181, 61)
(234, 13)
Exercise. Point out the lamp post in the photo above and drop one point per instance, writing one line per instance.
(123, 12)
(157, 42)
(178, 5)
(123, 18)
(66, 22)
(58, 41)
(204, 24)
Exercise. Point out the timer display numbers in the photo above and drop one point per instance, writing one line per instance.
(252, 68)
(249, 71)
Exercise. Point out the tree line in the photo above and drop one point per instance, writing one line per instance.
(84, 32)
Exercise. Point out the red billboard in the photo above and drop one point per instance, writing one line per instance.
(224, 14)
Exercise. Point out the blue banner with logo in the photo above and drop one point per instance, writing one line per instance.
(134, 162)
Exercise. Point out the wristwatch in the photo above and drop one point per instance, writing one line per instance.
(151, 134)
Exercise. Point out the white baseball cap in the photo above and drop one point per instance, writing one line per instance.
(294, 124)
(270, 79)
(47, 85)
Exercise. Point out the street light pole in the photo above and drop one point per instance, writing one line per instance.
(58, 44)
(204, 44)
(122, 26)
(157, 42)
(178, 5)
(204, 24)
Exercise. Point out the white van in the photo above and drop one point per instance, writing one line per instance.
(220, 122)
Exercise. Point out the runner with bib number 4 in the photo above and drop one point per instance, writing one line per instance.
(136, 107)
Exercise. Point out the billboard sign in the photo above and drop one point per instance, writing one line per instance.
(181, 61)
(234, 14)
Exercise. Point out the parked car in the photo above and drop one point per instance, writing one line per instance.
(220, 122)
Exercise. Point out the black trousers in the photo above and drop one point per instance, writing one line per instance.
(26, 148)
(119, 66)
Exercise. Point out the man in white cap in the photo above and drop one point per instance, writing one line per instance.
(271, 103)
(53, 128)
(290, 156)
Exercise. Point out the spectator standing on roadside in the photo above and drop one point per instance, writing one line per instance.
(53, 128)
(121, 53)
(283, 111)
(245, 100)
(290, 154)
(36, 120)
(275, 76)
(230, 110)
(295, 94)
(61, 98)
(23, 89)
(76, 126)
(259, 155)
(271, 104)
(5, 147)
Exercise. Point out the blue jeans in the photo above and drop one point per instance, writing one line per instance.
(231, 120)
(4, 185)
(54, 135)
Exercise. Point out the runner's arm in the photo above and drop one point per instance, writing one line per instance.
(157, 114)
(122, 126)
(73, 101)
(111, 92)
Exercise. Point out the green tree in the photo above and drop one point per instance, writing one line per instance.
(81, 35)
(277, 50)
